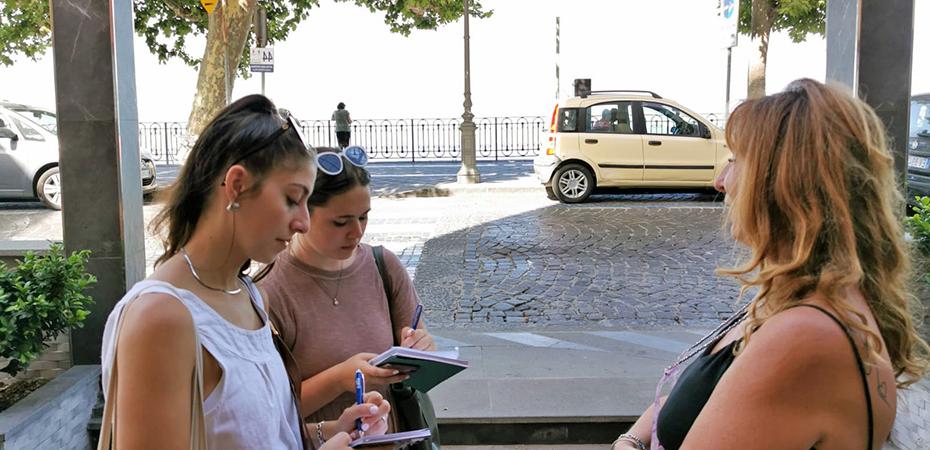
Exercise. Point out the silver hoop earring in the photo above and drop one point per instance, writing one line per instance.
(232, 206)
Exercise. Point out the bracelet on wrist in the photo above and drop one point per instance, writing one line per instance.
(637, 442)
(319, 433)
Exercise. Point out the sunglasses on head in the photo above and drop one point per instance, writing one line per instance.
(331, 163)
(290, 123)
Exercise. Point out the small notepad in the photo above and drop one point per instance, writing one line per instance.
(398, 440)
(426, 369)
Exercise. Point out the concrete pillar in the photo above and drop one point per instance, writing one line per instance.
(99, 152)
(869, 49)
(843, 42)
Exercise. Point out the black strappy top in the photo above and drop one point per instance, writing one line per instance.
(698, 381)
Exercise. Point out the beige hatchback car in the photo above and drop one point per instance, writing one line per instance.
(627, 139)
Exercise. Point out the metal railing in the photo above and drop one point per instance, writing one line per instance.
(390, 139)
(164, 140)
(413, 139)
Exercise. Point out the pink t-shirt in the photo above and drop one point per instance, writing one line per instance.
(321, 334)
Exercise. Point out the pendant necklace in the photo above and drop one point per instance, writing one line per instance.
(334, 296)
(190, 265)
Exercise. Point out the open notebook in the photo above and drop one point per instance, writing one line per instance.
(426, 369)
(398, 440)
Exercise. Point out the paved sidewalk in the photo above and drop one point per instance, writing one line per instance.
(429, 178)
(591, 374)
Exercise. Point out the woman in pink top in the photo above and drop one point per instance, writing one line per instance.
(327, 296)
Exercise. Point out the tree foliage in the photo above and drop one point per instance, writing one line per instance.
(25, 29)
(798, 17)
(167, 25)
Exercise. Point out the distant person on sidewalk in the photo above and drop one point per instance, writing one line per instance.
(328, 297)
(192, 344)
(343, 120)
(815, 359)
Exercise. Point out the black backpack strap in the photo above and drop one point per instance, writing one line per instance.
(865, 379)
(378, 253)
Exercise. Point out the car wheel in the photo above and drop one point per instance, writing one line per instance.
(49, 188)
(573, 183)
(550, 193)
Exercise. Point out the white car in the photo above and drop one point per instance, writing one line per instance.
(29, 156)
(627, 140)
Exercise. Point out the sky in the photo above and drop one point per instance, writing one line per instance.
(342, 52)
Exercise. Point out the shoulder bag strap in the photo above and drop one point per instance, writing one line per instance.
(378, 253)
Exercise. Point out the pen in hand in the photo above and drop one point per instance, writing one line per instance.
(359, 398)
(416, 316)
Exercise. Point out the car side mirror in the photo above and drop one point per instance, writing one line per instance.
(6, 133)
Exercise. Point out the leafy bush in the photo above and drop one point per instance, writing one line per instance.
(40, 298)
(919, 226)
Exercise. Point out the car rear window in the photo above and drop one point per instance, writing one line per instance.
(568, 120)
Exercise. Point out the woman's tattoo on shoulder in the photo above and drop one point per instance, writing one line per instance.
(882, 388)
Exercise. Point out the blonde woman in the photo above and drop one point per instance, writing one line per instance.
(816, 357)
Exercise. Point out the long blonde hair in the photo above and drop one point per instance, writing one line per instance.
(818, 205)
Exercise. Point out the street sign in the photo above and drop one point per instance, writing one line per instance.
(728, 10)
(208, 5)
(261, 59)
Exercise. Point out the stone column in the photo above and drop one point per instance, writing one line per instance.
(99, 152)
(869, 49)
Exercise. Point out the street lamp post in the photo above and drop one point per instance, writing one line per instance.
(468, 174)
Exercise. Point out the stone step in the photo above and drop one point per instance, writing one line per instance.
(597, 432)
(526, 447)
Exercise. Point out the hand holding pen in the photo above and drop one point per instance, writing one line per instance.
(359, 398)
(415, 336)
(373, 414)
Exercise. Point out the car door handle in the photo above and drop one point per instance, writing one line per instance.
(655, 142)
(590, 141)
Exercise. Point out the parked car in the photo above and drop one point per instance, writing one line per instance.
(29, 156)
(627, 139)
(918, 156)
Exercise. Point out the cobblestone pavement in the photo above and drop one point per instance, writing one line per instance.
(608, 263)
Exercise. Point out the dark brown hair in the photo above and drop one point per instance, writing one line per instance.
(233, 134)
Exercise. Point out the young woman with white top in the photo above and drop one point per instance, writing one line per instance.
(241, 196)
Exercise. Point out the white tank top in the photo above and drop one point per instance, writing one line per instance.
(252, 406)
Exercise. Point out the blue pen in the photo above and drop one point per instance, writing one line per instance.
(416, 316)
(359, 397)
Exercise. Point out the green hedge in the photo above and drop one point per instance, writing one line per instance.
(39, 298)
(919, 225)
